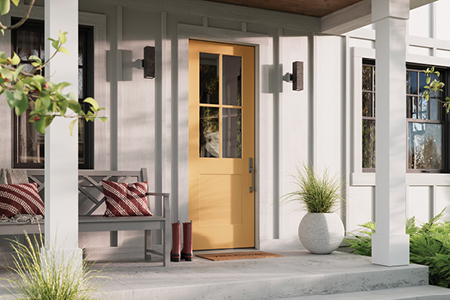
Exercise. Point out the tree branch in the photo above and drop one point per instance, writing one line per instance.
(20, 23)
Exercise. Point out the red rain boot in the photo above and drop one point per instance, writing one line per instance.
(175, 254)
(187, 241)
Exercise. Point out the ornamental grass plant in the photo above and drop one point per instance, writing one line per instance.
(318, 193)
(38, 273)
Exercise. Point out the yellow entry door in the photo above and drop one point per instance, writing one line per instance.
(221, 145)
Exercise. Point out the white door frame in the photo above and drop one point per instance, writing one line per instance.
(263, 57)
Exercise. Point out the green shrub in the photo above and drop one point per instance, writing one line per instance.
(429, 245)
(38, 273)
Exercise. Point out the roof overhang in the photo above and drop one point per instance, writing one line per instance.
(333, 16)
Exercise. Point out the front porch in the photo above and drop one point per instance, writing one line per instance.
(296, 275)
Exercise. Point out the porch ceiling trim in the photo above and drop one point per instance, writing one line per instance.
(355, 16)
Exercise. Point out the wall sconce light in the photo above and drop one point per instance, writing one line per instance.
(297, 76)
(148, 63)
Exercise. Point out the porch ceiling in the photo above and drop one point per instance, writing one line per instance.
(316, 8)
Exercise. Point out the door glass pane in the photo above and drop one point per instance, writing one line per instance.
(209, 78)
(424, 146)
(232, 80)
(209, 132)
(232, 133)
(368, 144)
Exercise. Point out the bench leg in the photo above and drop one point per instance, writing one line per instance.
(148, 244)
(113, 239)
(167, 243)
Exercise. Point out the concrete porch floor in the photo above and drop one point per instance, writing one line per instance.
(297, 275)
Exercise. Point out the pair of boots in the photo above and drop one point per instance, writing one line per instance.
(177, 254)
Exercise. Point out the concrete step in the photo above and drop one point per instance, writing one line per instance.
(296, 274)
(427, 292)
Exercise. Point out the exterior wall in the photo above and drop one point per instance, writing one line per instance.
(321, 124)
(429, 44)
(147, 125)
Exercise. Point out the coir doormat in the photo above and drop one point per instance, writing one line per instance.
(238, 255)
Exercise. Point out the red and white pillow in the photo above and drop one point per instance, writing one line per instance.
(125, 199)
(20, 199)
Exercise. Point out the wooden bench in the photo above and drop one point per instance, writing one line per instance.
(91, 209)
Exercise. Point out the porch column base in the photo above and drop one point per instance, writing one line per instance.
(390, 250)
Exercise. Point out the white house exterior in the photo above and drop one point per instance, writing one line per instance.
(148, 123)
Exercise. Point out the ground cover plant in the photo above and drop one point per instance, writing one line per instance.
(38, 273)
(429, 245)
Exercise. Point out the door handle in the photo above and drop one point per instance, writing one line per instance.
(251, 169)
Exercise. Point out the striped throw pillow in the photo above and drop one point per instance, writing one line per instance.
(20, 199)
(125, 199)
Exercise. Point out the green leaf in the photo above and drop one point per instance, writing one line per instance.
(10, 99)
(22, 105)
(55, 44)
(63, 50)
(36, 59)
(16, 2)
(40, 125)
(103, 119)
(17, 72)
(46, 101)
(4, 7)
(15, 60)
(61, 86)
(63, 104)
(48, 120)
(71, 125)
(74, 106)
(72, 96)
(92, 102)
(62, 37)
(6, 73)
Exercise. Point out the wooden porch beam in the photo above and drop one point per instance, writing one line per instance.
(355, 16)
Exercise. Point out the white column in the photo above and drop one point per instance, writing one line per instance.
(390, 245)
(61, 149)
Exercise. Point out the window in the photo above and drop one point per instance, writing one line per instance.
(368, 117)
(28, 147)
(425, 123)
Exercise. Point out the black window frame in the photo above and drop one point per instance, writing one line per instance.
(86, 33)
(444, 118)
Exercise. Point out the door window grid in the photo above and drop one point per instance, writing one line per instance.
(220, 104)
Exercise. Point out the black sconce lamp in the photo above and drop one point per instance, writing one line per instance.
(297, 76)
(148, 63)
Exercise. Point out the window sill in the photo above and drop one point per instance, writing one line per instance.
(424, 179)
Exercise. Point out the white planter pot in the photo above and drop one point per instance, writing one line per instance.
(321, 233)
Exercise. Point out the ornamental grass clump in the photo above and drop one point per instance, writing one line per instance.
(317, 193)
(38, 273)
